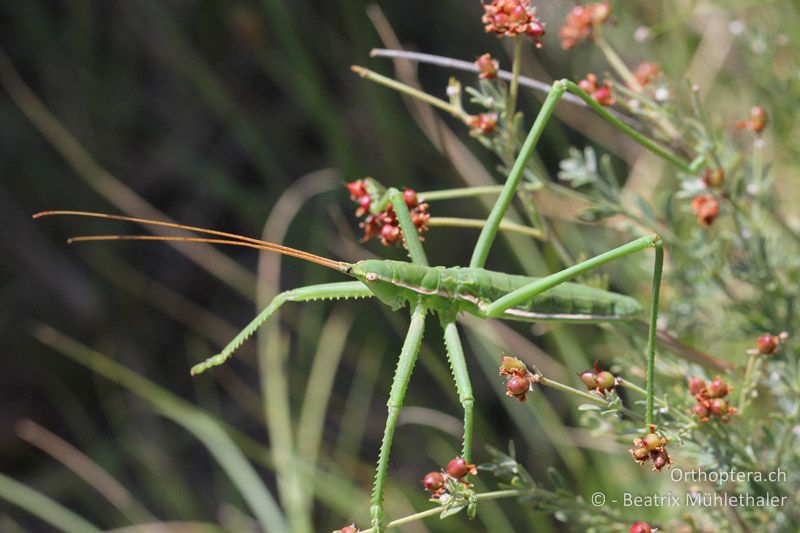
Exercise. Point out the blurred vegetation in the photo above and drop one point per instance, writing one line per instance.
(244, 116)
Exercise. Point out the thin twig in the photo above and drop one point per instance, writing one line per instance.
(469, 66)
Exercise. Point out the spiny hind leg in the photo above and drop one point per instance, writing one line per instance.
(539, 286)
(325, 291)
(402, 375)
(458, 364)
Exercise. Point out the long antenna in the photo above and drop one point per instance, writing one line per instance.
(232, 239)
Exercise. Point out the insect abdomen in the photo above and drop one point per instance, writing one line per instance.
(565, 302)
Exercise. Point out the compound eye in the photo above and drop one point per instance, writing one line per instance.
(371, 276)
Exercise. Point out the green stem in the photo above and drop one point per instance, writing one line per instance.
(486, 496)
(615, 61)
(481, 251)
(651, 333)
(468, 192)
(541, 380)
(411, 91)
(478, 223)
(43, 507)
(660, 151)
(747, 386)
(513, 88)
(660, 401)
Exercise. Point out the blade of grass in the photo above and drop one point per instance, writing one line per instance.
(84, 467)
(321, 377)
(207, 430)
(109, 186)
(208, 84)
(272, 350)
(43, 506)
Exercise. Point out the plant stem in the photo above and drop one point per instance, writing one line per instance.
(541, 380)
(660, 401)
(467, 192)
(615, 61)
(486, 496)
(660, 151)
(479, 223)
(651, 333)
(470, 66)
(407, 89)
(513, 88)
(747, 386)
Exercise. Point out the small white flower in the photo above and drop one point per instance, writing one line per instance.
(736, 27)
(662, 94)
(641, 34)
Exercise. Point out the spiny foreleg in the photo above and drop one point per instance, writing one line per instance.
(325, 291)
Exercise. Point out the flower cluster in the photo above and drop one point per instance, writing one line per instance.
(768, 344)
(601, 381)
(581, 22)
(487, 67)
(706, 208)
(482, 124)
(711, 399)
(520, 380)
(756, 120)
(511, 18)
(457, 469)
(651, 447)
(601, 93)
(384, 224)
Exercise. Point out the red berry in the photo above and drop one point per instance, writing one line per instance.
(652, 441)
(410, 198)
(660, 459)
(640, 527)
(718, 406)
(640, 453)
(518, 386)
(713, 177)
(605, 380)
(589, 378)
(717, 388)
(706, 208)
(535, 29)
(433, 481)
(349, 529)
(696, 385)
(389, 232)
(603, 96)
(357, 189)
(511, 365)
(767, 344)
(758, 119)
(700, 410)
(458, 468)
